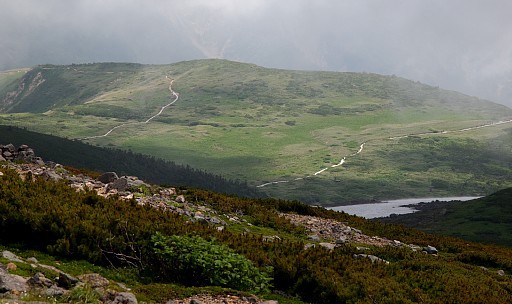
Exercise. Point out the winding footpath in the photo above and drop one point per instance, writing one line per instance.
(361, 147)
(176, 97)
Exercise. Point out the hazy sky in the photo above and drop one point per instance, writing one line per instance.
(464, 45)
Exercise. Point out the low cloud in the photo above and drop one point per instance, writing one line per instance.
(465, 45)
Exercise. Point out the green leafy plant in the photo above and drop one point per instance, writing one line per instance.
(83, 295)
(195, 260)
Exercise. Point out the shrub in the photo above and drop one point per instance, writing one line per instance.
(195, 261)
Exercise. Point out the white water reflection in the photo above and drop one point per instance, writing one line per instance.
(387, 208)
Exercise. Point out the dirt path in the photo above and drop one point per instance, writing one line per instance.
(361, 147)
(173, 93)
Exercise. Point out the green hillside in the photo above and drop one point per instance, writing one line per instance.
(260, 250)
(264, 125)
(91, 158)
(486, 220)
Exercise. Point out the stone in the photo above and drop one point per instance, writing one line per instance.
(113, 297)
(66, 281)
(11, 256)
(7, 155)
(108, 177)
(309, 245)
(120, 184)
(216, 221)
(22, 155)
(329, 246)
(51, 176)
(12, 283)
(11, 266)
(341, 241)
(195, 301)
(38, 161)
(2, 158)
(500, 272)
(33, 260)
(94, 280)
(39, 280)
(10, 148)
(314, 238)
(136, 183)
(55, 291)
(430, 249)
(251, 299)
(180, 199)
(270, 302)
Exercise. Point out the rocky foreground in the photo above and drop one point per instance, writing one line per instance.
(326, 233)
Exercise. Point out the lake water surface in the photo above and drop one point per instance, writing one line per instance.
(387, 208)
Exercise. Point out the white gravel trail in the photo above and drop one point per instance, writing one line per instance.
(176, 97)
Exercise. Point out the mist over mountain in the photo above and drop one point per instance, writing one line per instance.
(459, 45)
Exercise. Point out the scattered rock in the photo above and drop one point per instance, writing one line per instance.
(372, 258)
(11, 266)
(333, 230)
(120, 184)
(180, 199)
(94, 280)
(12, 283)
(32, 260)
(112, 297)
(39, 280)
(501, 272)
(107, 177)
(55, 291)
(66, 281)
(430, 249)
(50, 175)
(314, 237)
(221, 299)
(11, 256)
(329, 246)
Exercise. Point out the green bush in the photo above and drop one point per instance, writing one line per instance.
(196, 261)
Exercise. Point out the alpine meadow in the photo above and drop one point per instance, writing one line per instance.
(324, 138)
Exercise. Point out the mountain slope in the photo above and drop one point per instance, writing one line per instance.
(80, 155)
(487, 219)
(314, 254)
(300, 129)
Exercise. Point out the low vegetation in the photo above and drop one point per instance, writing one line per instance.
(143, 245)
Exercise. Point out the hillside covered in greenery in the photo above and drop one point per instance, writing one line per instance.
(150, 248)
(486, 220)
(276, 129)
(93, 158)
